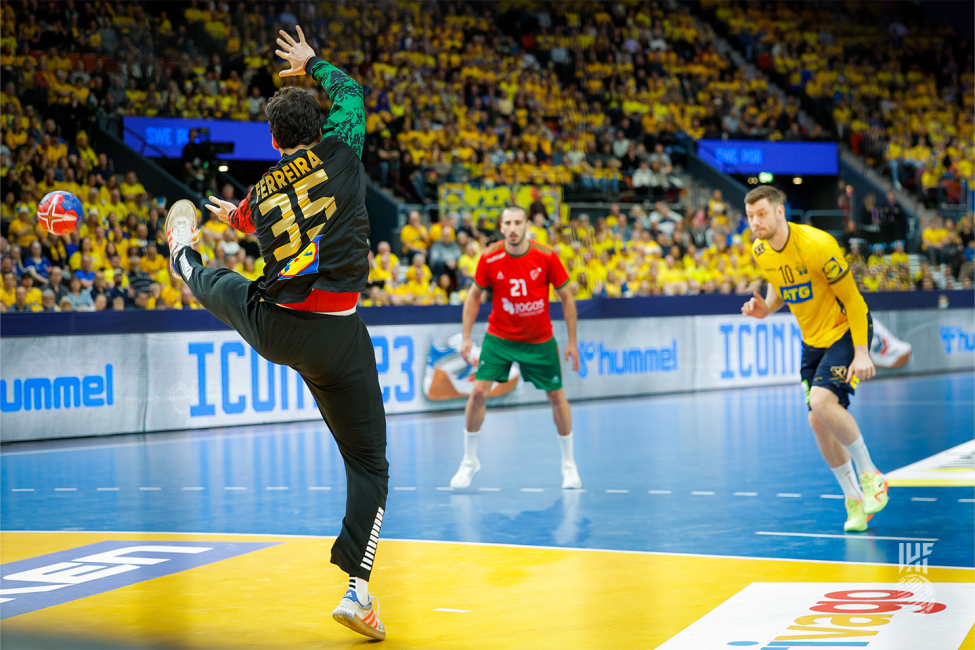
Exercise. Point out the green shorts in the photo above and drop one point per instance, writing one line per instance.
(539, 362)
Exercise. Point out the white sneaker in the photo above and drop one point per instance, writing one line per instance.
(181, 229)
(363, 620)
(886, 350)
(570, 476)
(468, 468)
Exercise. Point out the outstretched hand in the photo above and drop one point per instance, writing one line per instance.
(222, 209)
(756, 307)
(297, 54)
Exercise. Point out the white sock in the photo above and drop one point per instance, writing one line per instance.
(566, 443)
(858, 450)
(848, 481)
(470, 444)
(361, 589)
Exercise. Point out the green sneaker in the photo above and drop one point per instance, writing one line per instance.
(856, 520)
(874, 488)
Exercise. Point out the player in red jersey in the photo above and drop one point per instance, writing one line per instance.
(519, 272)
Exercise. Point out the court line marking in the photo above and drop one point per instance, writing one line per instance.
(453, 611)
(532, 489)
(65, 489)
(193, 489)
(702, 493)
(278, 487)
(319, 487)
(107, 489)
(788, 495)
(924, 498)
(150, 489)
(445, 489)
(903, 539)
(658, 492)
(405, 489)
(499, 545)
(831, 496)
(959, 500)
(617, 491)
(488, 489)
(746, 494)
(22, 490)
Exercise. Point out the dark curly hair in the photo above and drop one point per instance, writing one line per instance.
(294, 117)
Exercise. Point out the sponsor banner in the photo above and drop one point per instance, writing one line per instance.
(67, 386)
(889, 616)
(208, 379)
(56, 578)
(735, 351)
(180, 380)
(486, 204)
(953, 467)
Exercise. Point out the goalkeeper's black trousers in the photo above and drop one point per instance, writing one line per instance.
(335, 357)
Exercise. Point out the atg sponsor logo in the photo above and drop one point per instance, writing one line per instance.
(48, 580)
(760, 349)
(878, 616)
(957, 339)
(44, 393)
(626, 361)
(796, 293)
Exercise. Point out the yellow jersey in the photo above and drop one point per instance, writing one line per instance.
(813, 278)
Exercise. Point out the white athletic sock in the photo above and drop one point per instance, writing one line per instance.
(566, 443)
(858, 450)
(361, 589)
(848, 481)
(470, 444)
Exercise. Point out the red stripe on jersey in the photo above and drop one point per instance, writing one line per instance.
(325, 302)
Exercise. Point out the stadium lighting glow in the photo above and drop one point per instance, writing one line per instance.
(765, 177)
(797, 180)
(223, 168)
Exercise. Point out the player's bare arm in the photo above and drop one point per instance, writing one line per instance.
(569, 312)
(295, 53)
(471, 306)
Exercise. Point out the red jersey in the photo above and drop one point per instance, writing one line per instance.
(520, 286)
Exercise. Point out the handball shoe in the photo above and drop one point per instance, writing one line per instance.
(888, 351)
(856, 520)
(181, 229)
(468, 468)
(359, 618)
(874, 488)
(570, 475)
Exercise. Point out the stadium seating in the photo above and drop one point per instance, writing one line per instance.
(599, 100)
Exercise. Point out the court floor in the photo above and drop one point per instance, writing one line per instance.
(707, 521)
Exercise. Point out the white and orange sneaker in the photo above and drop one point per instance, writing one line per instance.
(360, 618)
(874, 488)
(886, 350)
(181, 230)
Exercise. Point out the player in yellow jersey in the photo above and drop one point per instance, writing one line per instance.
(806, 270)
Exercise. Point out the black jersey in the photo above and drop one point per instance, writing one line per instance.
(309, 210)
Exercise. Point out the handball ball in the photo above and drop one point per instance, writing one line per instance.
(60, 212)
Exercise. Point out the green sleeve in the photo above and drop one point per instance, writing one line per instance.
(347, 119)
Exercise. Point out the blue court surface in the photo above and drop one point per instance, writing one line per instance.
(683, 481)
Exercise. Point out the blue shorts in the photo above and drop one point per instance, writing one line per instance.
(827, 367)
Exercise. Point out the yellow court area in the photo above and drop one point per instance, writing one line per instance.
(495, 597)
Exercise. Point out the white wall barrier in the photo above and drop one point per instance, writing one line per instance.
(67, 386)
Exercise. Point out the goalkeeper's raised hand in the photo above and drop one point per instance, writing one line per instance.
(297, 54)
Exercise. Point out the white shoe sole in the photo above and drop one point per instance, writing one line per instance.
(458, 482)
(571, 481)
(351, 620)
